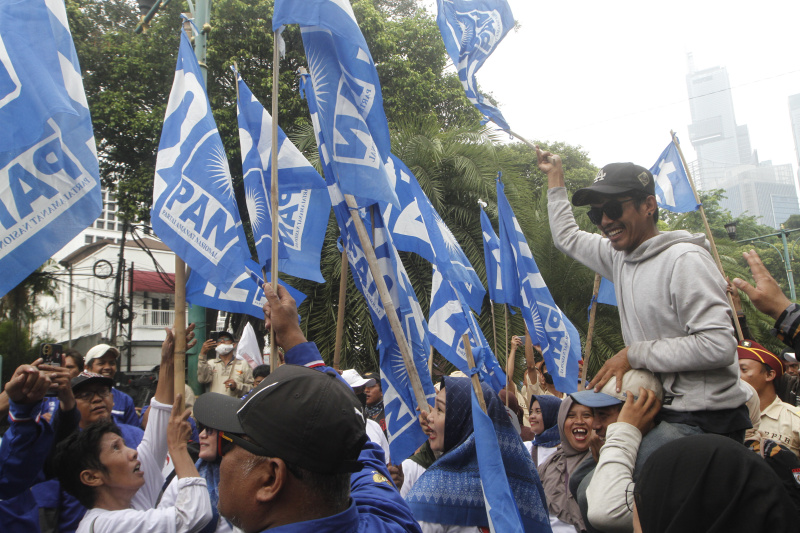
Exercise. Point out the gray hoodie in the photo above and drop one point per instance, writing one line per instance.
(674, 313)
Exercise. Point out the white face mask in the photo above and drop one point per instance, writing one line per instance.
(224, 349)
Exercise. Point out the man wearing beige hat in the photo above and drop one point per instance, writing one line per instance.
(102, 359)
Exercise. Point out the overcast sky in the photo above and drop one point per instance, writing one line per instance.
(611, 76)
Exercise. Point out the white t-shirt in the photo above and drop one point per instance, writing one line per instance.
(191, 511)
(375, 434)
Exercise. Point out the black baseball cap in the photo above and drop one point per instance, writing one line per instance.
(87, 378)
(375, 376)
(615, 179)
(306, 417)
(226, 334)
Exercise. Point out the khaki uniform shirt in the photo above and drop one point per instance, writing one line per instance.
(781, 422)
(215, 373)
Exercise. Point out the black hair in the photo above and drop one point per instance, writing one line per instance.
(261, 371)
(78, 452)
(76, 356)
(639, 198)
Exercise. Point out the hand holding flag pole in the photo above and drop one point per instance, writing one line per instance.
(476, 382)
(273, 352)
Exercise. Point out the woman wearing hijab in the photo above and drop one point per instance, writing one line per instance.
(575, 428)
(544, 424)
(448, 497)
(208, 468)
(709, 483)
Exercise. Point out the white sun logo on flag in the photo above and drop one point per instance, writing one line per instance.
(257, 208)
(319, 79)
(220, 173)
(449, 239)
(397, 364)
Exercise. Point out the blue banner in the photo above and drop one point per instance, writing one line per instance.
(501, 507)
(417, 227)
(244, 296)
(348, 94)
(402, 427)
(548, 326)
(449, 319)
(303, 204)
(49, 175)
(491, 256)
(673, 190)
(194, 209)
(471, 30)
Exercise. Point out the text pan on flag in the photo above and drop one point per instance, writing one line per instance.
(303, 204)
(548, 326)
(194, 210)
(49, 176)
(417, 227)
(403, 430)
(243, 296)
(449, 319)
(348, 95)
(471, 30)
(673, 190)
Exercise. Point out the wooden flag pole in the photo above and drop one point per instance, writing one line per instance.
(708, 232)
(505, 328)
(476, 382)
(179, 326)
(590, 332)
(494, 327)
(273, 351)
(388, 304)
(430, 363)
(337, 350)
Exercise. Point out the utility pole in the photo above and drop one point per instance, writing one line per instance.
(118, 285)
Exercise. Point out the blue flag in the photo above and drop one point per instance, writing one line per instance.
(673, 190)
(403, 430)
(49, 176)
(491, 256)
(605, 295)
(548, 326)
(501, 507)
(303, 205)
(450, 318)
(471, 30)
(194, 209)
(417, 227)
(244, 296)
(348, 94)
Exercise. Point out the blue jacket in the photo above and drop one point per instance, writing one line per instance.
(376, 505)
(124, 412)
(23, 451)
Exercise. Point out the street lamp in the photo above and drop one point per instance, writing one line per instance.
(730, 227)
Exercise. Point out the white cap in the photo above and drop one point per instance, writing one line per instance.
(355, 380)
(99, 351)
(608, 395)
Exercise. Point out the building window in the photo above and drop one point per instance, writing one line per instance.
(88, 239)
(100, 224)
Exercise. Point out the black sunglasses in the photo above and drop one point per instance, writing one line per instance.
(612, 209)
(228, 440)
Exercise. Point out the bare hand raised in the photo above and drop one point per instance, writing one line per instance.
(767, 295)
(280, 317)
(640, 413)
(550, 164)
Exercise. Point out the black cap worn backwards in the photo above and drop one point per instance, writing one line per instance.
(306, 417)
(616, 179)
(87, 378)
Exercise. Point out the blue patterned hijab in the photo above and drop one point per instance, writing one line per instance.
(450, 491)
(550, 437)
